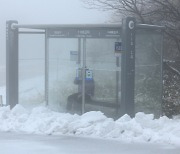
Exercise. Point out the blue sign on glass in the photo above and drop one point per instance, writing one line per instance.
(118, 49)
(118, 46)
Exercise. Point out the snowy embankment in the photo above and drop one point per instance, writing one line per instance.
(41, 120)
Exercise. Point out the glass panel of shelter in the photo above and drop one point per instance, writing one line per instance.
(31, 69)
(102, 75)
(102, 62)
(148, 72)
(62, 72)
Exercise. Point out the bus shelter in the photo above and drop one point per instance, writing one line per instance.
(116, 69)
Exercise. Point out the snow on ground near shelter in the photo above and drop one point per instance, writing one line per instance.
(41, 120)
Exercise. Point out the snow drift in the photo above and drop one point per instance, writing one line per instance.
(42, 120)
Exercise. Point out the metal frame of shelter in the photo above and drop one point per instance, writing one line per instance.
(126, 32)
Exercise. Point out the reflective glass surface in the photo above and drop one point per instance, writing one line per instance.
(148, 79)
(62, 72)
(102, 80)
(31, 69)
(104, 63)
(102, 70)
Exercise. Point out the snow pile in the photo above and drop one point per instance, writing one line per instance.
(41, 120)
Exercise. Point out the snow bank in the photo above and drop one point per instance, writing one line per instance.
(41, 120)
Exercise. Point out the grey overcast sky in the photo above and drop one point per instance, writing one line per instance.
(46, 12)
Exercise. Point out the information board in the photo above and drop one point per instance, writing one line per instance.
(84, 33)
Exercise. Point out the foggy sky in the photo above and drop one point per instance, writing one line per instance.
(45, 12)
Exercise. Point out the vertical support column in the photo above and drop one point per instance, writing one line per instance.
(11, 64)
(83, 75)
(46, 68)
(128, 67)
(79, 52)
(162, 68)
(118, 48)
(117, 85)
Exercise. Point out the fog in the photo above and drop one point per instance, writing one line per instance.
(44, 12)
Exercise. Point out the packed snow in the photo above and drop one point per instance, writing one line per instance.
(64, 144)
(41, 120)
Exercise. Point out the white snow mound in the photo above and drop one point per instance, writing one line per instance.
(42, 120)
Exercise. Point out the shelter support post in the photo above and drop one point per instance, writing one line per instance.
(128, 66)
(46, 68)
(11, 64)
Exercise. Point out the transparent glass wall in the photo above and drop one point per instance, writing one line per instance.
(103, 74)
(65, 75)
(62, 72)
(148, 79)
(31, 69)
(101, 60)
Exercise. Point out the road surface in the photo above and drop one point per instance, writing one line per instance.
(15, 143)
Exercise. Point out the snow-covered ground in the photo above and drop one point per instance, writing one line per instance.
(15, 143)
(42, 120)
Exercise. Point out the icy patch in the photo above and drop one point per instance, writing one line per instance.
(41, 120)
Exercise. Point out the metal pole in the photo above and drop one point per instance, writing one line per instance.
(12, 57)
(46, 69)
(51, 26)
(83, 75)
(117, 86)
(117, 82)
(128, 67)
(79, 51)
(162, 67)
(79, 63)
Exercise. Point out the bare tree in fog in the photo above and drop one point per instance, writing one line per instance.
(160, 12)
